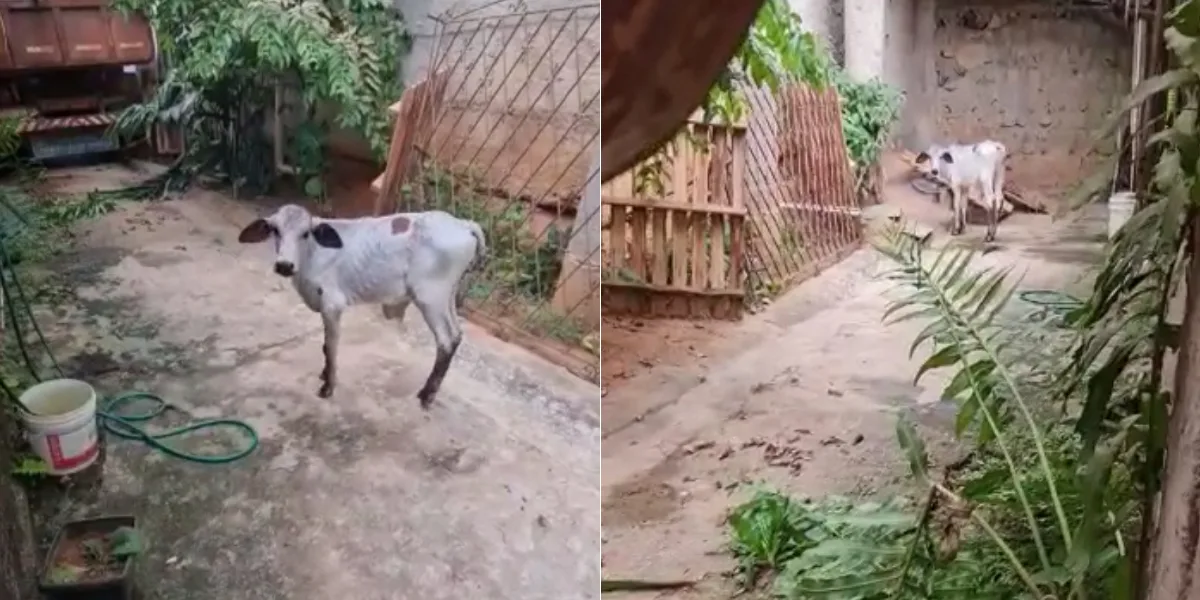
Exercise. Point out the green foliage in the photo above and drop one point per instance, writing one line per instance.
(846, 550)
(637, 585)
(125, 543)
(224, 58)
(869, 109)
(1029, 513)
(777, 50)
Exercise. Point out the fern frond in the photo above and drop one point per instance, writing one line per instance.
(961, 306)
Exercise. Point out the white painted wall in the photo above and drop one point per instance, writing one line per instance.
(863, 23)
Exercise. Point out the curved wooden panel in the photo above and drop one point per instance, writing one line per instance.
(658, 61)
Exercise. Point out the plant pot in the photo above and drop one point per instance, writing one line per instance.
(118, 586)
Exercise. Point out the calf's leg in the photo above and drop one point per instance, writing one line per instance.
(993, 214)
(331, 319)
(995, 205)
(958, 205)
(436, 304)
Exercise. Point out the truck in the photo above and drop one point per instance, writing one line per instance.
(67, 69)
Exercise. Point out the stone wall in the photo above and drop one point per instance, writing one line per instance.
(1039, 79)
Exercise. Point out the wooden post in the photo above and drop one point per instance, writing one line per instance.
(1175, 555)
(415, 114)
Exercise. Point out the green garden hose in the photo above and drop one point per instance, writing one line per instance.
(123, 425)
(1052, 300)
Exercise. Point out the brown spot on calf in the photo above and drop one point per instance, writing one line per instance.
(401, 225)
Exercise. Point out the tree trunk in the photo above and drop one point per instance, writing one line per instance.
(1175, 566)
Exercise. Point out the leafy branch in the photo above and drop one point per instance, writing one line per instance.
(225, 57)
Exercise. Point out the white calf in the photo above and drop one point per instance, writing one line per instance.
(389, 260)
(963, 168)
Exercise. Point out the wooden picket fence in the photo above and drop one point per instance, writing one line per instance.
(673, 228)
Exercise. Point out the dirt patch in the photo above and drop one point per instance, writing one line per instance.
(633, 346)
(83, 558)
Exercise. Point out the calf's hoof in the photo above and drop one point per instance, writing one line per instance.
(326, 390)
(426, 396)
(989, 238)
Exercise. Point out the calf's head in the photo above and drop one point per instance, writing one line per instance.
(933, 161)
(292, 228)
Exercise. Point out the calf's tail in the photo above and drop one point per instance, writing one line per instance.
(480, 244)
(460, 295)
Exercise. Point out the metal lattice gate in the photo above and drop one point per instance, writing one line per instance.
(504, 130)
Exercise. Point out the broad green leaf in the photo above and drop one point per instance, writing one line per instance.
(1099, 396)
(944, 357)
(1084, 547)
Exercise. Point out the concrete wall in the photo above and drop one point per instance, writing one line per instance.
(908, 66)
(1038, 79)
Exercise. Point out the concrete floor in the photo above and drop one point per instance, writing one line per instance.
(493, 493)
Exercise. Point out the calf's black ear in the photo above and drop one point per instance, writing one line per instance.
(255, 232)
(326, 236)
(946, 158)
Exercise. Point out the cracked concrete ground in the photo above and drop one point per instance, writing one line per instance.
(493, 493)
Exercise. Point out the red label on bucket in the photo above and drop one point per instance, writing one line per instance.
(58, 462)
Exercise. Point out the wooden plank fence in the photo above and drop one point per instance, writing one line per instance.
(674, 239)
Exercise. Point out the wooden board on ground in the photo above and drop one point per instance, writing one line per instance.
(651, 301)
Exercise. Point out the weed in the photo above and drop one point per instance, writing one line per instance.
(62, 574)
(30, 467)
(547, 323)
(100, 556)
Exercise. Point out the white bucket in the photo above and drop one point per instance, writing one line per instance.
(1121, 207)
(62, 426)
